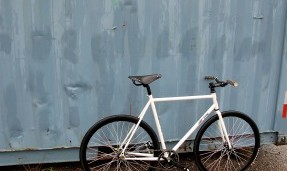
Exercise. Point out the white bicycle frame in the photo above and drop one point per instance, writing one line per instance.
(151, 102)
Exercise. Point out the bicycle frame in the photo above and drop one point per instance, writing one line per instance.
(151, 102)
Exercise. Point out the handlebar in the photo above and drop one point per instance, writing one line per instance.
(145, 80)
(219, 83)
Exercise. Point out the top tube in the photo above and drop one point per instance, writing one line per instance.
(167, 99)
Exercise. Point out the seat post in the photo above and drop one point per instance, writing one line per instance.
(147, 88)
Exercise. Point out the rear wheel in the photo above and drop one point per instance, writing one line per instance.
(101, 146)
(213, 154)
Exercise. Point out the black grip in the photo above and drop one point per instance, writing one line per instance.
(209, 78)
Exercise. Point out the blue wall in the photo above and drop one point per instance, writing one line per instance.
(64, 65)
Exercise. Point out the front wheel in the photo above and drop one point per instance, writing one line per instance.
(212, 153)
(102, 146)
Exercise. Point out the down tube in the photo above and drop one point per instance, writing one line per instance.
(196, 125)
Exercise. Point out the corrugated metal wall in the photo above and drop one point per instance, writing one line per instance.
(64, 65)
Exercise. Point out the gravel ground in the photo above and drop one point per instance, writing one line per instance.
(270, 158)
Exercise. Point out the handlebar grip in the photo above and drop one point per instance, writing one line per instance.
(209, 77)
(233, 83)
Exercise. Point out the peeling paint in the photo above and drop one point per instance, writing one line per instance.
(75, 89)
(258, 17)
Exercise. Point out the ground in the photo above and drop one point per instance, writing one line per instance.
(270, 158)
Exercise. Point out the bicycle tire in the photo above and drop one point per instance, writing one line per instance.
(99, 149)
(211, 153)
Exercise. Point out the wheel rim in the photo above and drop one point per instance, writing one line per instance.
(214, 154)
(103, 150)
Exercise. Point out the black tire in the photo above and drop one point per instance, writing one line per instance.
(211, 153)
(100, 146)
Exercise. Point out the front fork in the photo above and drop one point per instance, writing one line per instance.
(223, 131)
(221, 124)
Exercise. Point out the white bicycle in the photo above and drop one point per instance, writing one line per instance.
(226, 141)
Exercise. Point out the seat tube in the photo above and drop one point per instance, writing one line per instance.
(155, 115)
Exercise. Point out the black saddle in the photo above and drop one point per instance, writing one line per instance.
(144, 79)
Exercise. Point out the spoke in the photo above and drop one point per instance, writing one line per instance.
(237, 155)
(104, 155)
(136, 143)
(245, 150)
(102, 152)
(246, 139)
(215, 154)
(214, 162)
(209, 156)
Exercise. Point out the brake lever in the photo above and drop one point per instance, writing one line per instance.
(233, 83)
